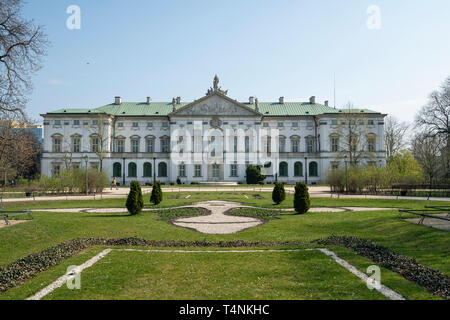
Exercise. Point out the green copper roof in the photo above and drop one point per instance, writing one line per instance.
(165, 108)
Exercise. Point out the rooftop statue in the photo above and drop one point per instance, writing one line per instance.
(216, 88)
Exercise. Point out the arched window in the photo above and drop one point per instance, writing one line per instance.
(147, 169)
(313, 169)
(298, 169)
(283, 169)
(117, 169)
(132, 170)
(162, 169)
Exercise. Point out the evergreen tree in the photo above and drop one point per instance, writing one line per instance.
(254, 176)
(278, 193)
(301, 198)
(135, 201)
(157, 194)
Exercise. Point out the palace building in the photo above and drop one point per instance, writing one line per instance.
(212, 139)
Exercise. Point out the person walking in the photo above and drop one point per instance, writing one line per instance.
(114, 184)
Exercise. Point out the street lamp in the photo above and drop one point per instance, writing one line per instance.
(154, 170)
(346, 175)
(86, 159)
(306, 170)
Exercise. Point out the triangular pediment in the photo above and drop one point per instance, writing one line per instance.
(215, 104)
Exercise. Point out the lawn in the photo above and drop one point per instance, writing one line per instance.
(428, 246)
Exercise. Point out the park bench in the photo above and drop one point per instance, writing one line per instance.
(8, 214)
(429, 212)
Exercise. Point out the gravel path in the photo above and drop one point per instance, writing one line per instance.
(217, 222)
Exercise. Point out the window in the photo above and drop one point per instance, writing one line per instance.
(95, 122)
(182, 170)
(235, 144)
(310, 145)
(135, 124)
(334, 165)
(95, 144)
(247, 144)
(76, 122)
(268, 145)
(149, 124)
(165, 145)
(371, 122)
(94, 165)
(162, 169)
(56, 169)
(265, 124)
(298, 169)
(135, 145)
(147, 169)
(309, 125)
(234, 170)
(165, 124)
(213, 152)
(198, 170)
(57, 122)
(371, 144)
(57, 144)
(76, 144)
(280, 124)
(334, 144)
(295, 144)
(150, 145)
(120, 145)
(132, 170)
(294, 124)
(334, 122)
(313, 171)
(117, 169)
(283, 169)
(282, 145)
(216, 171)
(120, 124)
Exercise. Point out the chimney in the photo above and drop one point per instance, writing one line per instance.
(149, 100)
(281, 100)
(118, 100)
(312, 100)
(256, 105)
(326, 103)
(178, 100)
(251, 100)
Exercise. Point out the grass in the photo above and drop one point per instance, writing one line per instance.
(427, 245)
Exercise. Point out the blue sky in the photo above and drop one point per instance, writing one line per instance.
(267, 49)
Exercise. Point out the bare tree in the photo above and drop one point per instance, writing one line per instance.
(434, 118)
(394, 136)
(100, 131)
(22, 46)
(426, 149)
(19, 151)
(353, 134)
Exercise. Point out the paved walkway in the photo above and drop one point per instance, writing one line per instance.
(217, 222)
(435, 223)
(315, 192)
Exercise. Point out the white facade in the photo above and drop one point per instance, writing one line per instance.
(212, 139)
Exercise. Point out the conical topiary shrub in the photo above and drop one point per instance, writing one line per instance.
(301, 198)
(135, 202)
(157, 194)
(278, 193)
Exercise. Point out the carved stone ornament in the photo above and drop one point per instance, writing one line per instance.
(215, 123)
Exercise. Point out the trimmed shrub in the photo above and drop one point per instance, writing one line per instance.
(157, 194)
(302, 202)
(254, 176)
(135, 201)
(278, 193)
